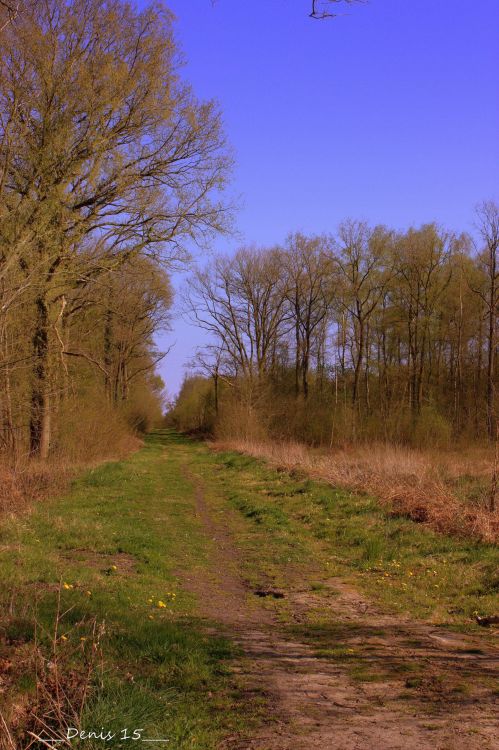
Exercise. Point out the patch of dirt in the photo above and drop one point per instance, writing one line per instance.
(124, 564)
(359, 679)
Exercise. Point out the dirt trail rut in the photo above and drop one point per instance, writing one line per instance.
(318, 702)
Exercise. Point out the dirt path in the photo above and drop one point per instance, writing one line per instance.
(315, 698)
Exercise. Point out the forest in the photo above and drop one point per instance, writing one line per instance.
(367, 335)
(367, 358)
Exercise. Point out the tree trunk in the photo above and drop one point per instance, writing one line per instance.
(305, 367)
(358, 364)
(478, 378)
(491, 349)
(39, 426)
(297, 359)
(495, 471)
(108, 355)
(8, 413)
(215, 383)
(366, 371)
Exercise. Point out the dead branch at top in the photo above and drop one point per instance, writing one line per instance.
(321, 13)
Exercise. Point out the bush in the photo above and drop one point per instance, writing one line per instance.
(194, 409)
(432, 429)
(240, 421)
(143, 410)
(92, 430)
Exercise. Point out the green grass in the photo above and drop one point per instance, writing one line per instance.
(119, 540)
(126, 533)
(403, 565)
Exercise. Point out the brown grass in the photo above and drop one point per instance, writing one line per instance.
(445, 490)
(64, 665)
(21, 486)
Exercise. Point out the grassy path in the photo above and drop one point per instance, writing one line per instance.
(113, 547)
(341, 647)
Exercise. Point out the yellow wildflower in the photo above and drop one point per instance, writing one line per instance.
(161, 604)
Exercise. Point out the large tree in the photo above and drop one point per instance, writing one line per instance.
(241, 301)
(102, 144)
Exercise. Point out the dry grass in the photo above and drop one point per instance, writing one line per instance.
(21, 486)
(445, 490)
(58, 671)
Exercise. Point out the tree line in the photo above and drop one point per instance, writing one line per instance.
(108, 166)
(370, 333)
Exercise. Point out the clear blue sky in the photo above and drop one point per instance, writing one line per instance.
(389, 113)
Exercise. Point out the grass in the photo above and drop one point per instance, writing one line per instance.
(113, 547)
(116, 547)
(299, 533)
(405, 566)
(449, 491)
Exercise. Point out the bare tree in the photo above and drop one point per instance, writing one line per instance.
(212, 362)
(309, 293)
(488, 224)
(364, 275)
(240, 301)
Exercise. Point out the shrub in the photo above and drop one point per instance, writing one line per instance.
(143, 410)
(92, 430)
(432, 429)
(240, 421)
(194, 409)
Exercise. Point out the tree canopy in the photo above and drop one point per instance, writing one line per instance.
(106, 158)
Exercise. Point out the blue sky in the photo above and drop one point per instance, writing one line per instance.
(389, 113)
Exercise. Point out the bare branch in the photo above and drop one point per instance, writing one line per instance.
(319, 10)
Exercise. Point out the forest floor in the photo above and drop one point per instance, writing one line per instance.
(246, 609)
